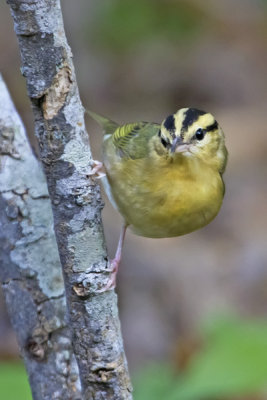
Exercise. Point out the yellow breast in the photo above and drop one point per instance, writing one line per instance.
(163, 198)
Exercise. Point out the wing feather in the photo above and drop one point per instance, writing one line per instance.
(131, 140)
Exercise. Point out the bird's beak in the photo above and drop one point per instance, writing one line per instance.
(176, 142)
(178, 146)
(182, 147)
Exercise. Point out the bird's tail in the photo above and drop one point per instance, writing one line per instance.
(107, 125)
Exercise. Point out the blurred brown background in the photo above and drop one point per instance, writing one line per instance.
(143, 60)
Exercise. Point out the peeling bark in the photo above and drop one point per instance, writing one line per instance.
(55, 96)
(30, 270)
(76, 201)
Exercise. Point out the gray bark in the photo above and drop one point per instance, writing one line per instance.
(76, 201)
(30, 270)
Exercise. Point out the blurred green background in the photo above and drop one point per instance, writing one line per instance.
(193, 308)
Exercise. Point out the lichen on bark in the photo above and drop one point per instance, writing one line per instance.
(76, 201)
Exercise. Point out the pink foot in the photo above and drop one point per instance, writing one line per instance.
(97, 169)
(111, 284)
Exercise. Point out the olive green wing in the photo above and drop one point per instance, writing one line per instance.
(132, 140)
(129, 140)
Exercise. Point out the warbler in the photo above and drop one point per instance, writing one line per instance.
(164, 179)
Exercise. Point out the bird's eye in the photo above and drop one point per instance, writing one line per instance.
(199, 135)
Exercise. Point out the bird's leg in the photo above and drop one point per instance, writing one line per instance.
(116, 261)
(97, 170)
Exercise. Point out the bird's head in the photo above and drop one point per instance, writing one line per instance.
(193, 133)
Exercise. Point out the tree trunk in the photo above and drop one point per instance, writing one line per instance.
(76, 201)
(30, 268)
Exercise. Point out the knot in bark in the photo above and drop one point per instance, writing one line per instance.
(36, 349)
(82, 291)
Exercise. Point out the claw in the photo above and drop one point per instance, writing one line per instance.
(111, 284)
(97, 169)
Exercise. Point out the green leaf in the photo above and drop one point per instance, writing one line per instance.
(13, 382)
(234, 362)
(153, 383)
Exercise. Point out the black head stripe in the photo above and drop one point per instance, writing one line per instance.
(212, 127)
(191, 115)
(169, 123)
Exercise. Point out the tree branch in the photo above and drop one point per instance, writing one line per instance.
(30, 268)
(76, 202)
